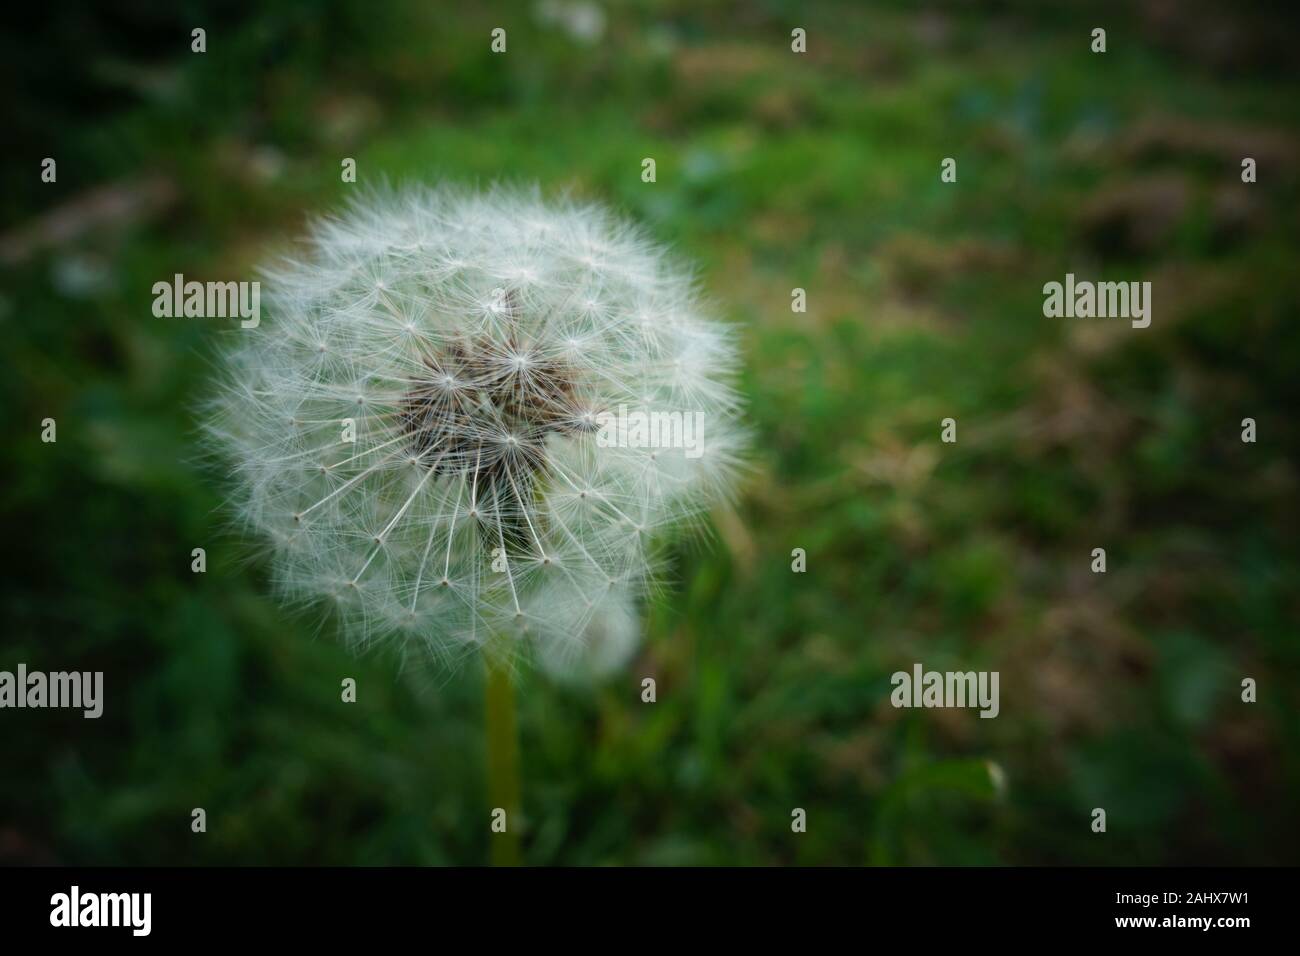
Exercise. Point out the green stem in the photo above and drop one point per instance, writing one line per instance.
(502, 760)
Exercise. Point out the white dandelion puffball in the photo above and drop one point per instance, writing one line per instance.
(467, 416)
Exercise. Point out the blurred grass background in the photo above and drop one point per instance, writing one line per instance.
(775, 171)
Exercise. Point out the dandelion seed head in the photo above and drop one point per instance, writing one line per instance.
(472, 342)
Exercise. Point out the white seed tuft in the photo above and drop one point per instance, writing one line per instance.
(474, 340)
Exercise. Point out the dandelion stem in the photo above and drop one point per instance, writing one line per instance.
(502, 760)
